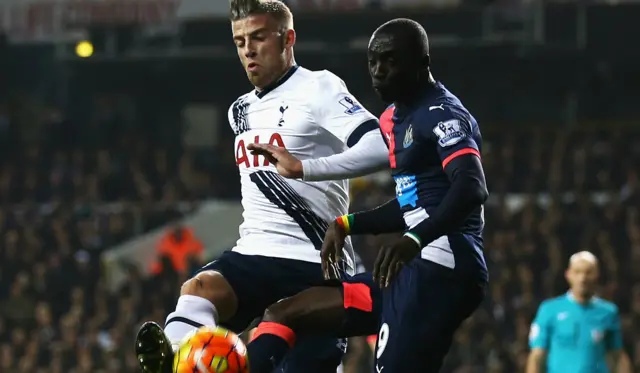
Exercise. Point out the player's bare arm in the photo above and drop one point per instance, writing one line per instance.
(386, 218)
(332, 245)
(536, 360)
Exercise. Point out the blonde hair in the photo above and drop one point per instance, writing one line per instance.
(583, 256)
(240, 9)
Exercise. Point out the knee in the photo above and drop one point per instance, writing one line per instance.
(214, 287)
(282, 312)
(204, 284)
(313, 309)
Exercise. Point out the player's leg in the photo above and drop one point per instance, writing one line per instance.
(210, 297)
(358, 354)
(314, 354)
(326, 353)
(422, 309)
(316, 310)
(348, 309)
(203, 300)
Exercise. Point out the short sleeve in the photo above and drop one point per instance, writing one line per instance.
(453, 133)
(614, 333)
(540, 332)
(339, 112)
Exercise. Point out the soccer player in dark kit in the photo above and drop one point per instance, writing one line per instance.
(434, 277)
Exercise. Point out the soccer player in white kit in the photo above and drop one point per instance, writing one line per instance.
(327, 135)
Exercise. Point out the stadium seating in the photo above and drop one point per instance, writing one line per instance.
(552, 194)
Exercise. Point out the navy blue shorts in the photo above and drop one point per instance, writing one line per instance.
(363, 305)
(261, 281)
(415, 317)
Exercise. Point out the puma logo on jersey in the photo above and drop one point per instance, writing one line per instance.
(431, 108)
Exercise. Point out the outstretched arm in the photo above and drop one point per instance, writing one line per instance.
(368, 154)
(339, 116)
(386, 218)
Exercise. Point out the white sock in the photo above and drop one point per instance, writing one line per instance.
(191, 313)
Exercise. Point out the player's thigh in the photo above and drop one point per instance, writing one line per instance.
(260, 281)
(338, 308)
(422, 309)
(361, 302)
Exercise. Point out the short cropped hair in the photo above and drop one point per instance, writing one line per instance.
(408, 30)
(240, 9)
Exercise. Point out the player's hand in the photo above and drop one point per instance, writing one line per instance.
(331, 253)
(391, 259)
(286, 164)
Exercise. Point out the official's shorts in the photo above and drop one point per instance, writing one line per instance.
(415, 317)
(261, 281)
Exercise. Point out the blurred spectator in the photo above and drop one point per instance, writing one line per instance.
(181, 247)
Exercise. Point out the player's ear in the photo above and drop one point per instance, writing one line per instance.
(426, 61)
(289, 38)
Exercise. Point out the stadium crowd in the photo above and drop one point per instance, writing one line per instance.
(71, 189)
(553, 193)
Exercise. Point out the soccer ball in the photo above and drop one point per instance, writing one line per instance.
(211, 350)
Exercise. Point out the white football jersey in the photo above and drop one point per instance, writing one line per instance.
(313, 115)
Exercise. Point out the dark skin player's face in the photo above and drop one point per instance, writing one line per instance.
(393, 67)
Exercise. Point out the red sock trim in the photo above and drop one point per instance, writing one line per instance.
(276, 329)
(372, 338)
(357, 296)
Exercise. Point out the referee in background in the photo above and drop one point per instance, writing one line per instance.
(578, 332)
